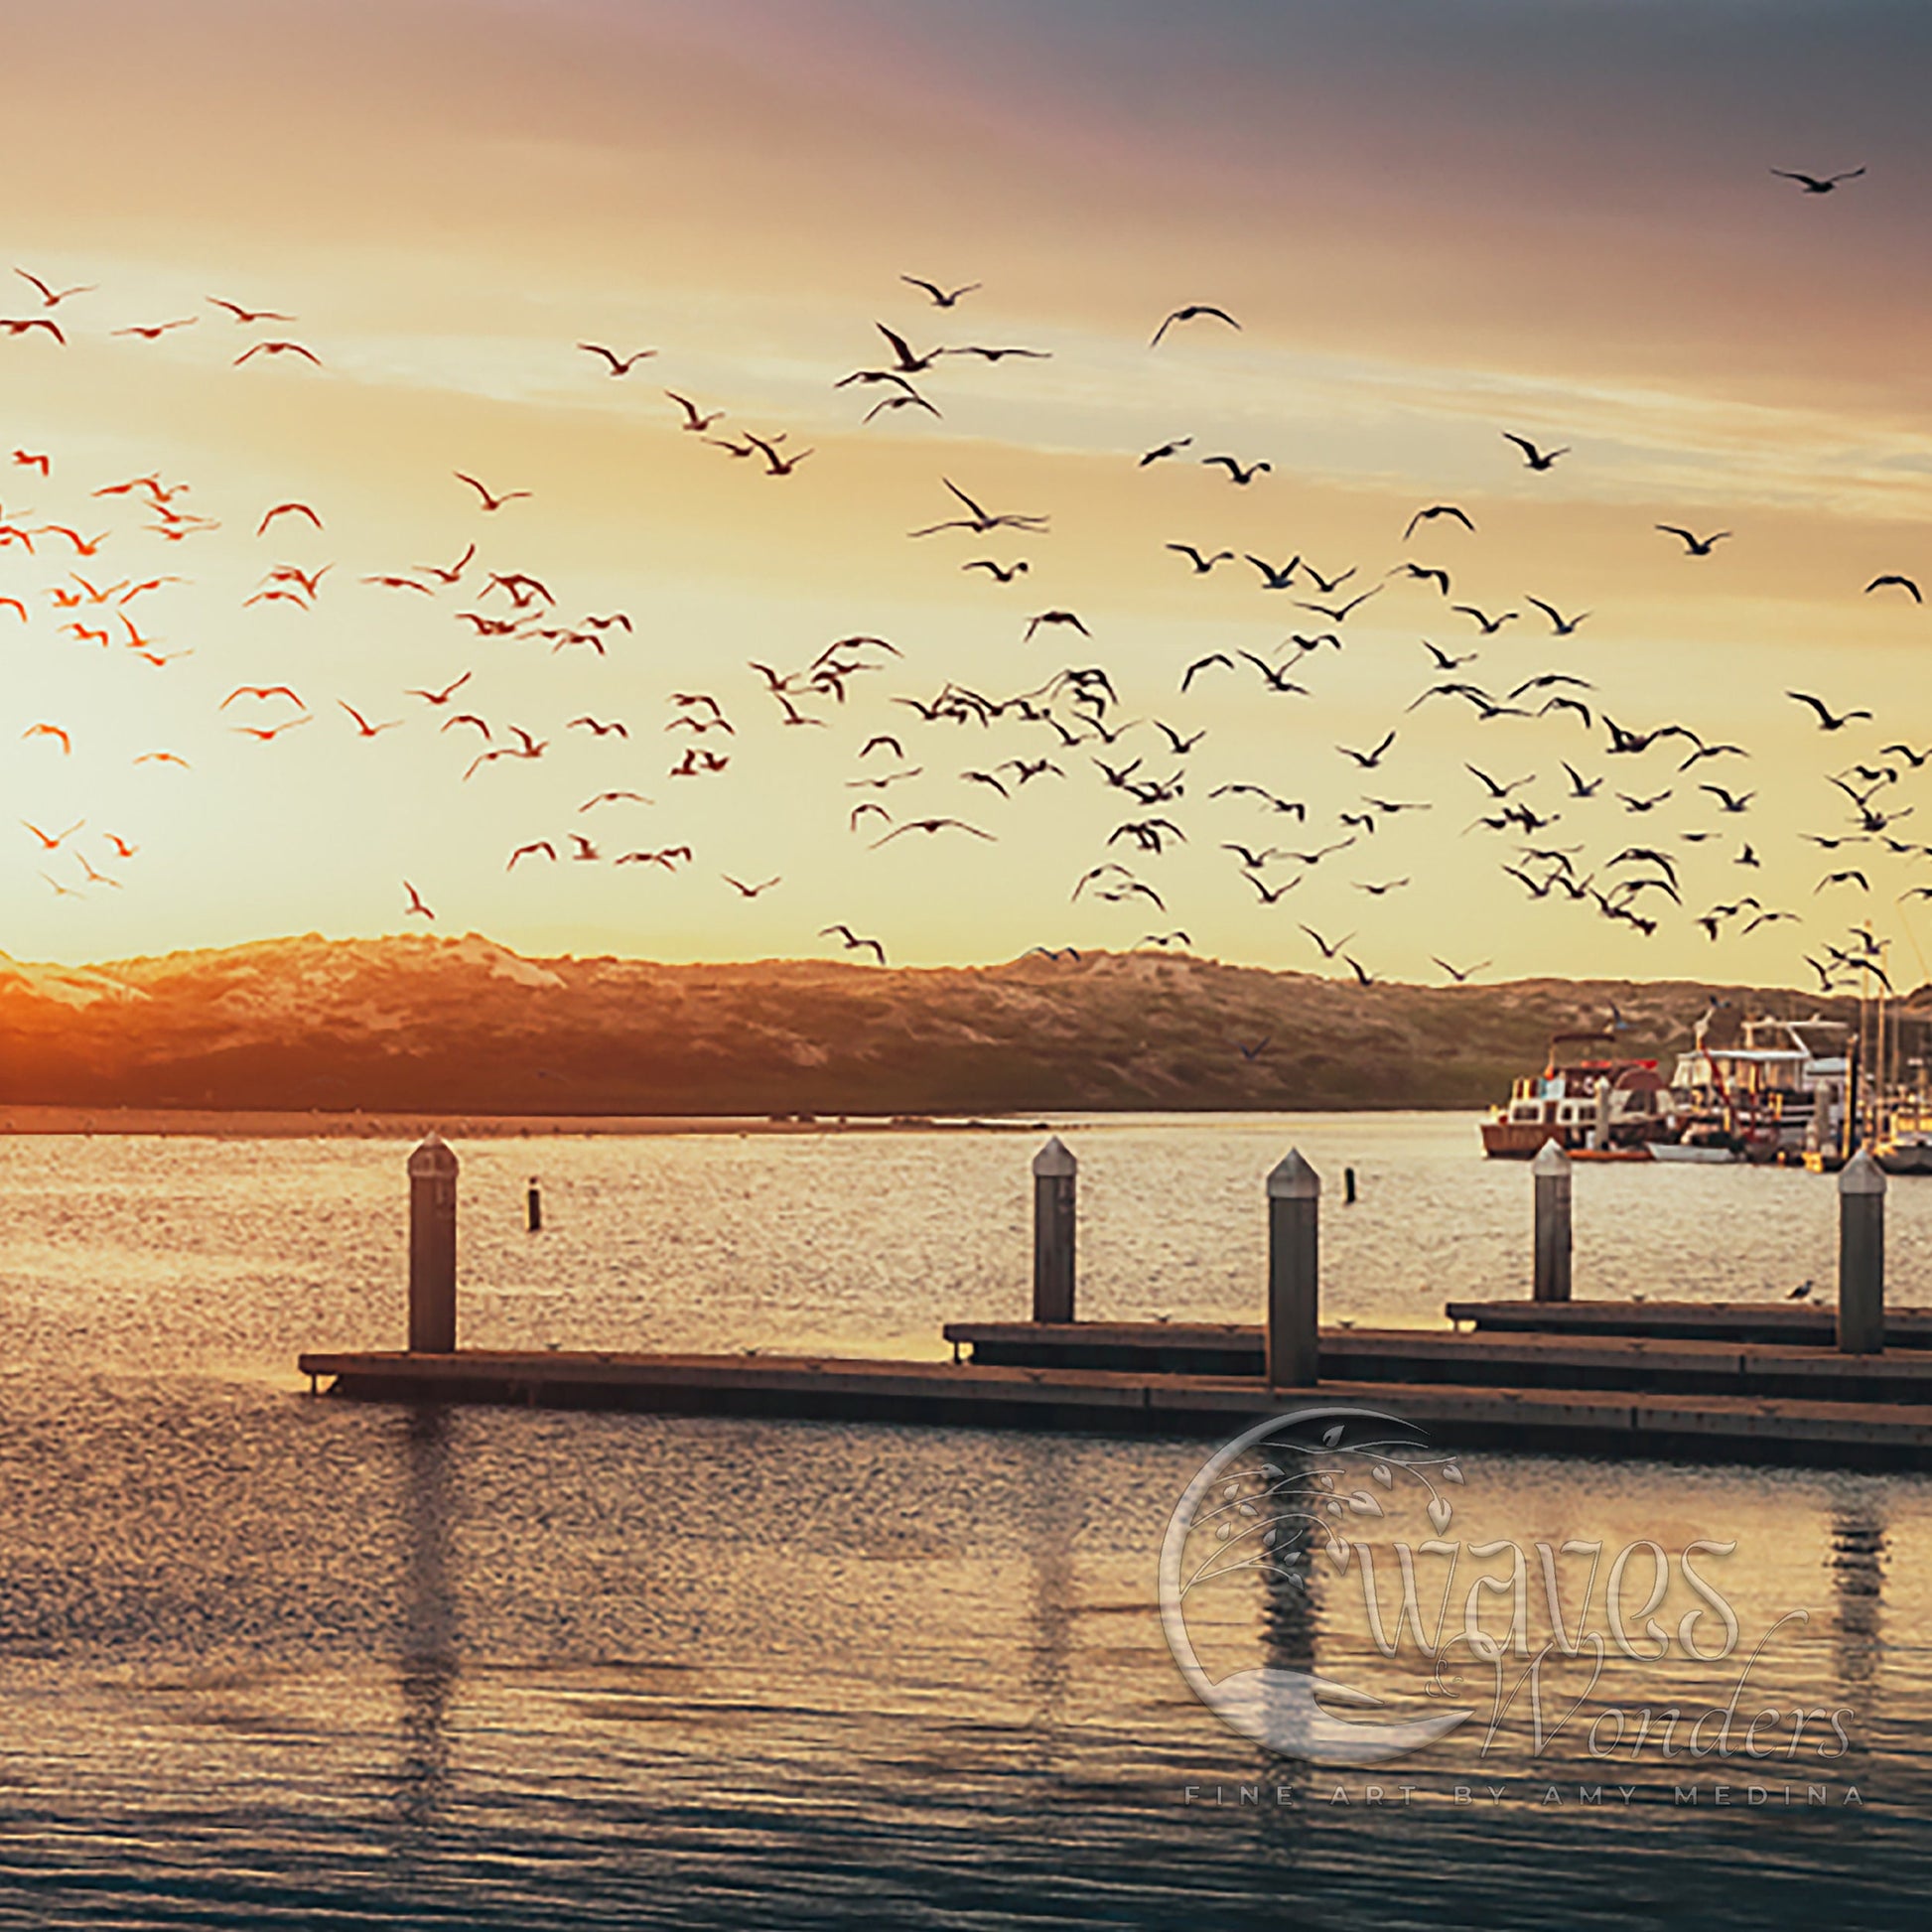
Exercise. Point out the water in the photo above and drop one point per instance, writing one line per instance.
(268, 1661)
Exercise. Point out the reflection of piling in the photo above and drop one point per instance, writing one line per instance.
(1054, 1169)
(1862, 1256)
(1294, 1258)
(432, 1249)
(1551, 1170)
(533, 1208)
(1348, 1186)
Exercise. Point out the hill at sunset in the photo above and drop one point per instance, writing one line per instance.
(465, 1025)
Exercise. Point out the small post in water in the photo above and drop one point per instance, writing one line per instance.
(1862, 1256)
(1054, 1169)
(1550, 1168)
(1294, 1274)
(533, 1208)
(431, 1248)
(1600, 1126)
(1348, 1186)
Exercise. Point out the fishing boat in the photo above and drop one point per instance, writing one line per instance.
(1589, 1099)
(1773, 1090)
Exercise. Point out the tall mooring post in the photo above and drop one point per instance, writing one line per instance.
(1550, 1168)
(1054, 1172)
(1862, 1256)
(1294, 1274)
(431, 1248)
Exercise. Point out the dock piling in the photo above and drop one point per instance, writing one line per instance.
(1862, 1256)
(431, 1248)
(1054, 1172)
(533, 1208)
(1550, 1168)
(1294, 1274)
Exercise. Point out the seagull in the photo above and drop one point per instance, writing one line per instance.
(749, 891)
(52, 298)
(1694, 546)
(1815, 184)
(1235, 472)
(1193, 312)
(1000, 573)
(1902, 583)
(242, 315)
(1202, 564)
(694, 420)
(1461, 974)
(544, 846)
(490, 503)
(1536, 459)
(1174, 448)
(1435, 510)
(941, 298)
(363, 726)
(853, 944)
(1562, 627)
(415, 902)
(619, 365)
(1825, 721)
(277, 348)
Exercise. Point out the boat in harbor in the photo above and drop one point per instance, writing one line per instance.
(1766, 1089)
(1584, 1078)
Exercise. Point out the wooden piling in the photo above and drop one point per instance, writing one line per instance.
(1294, 1274)
(1054, 1172)
(1551, 1170)
(431, 1248)
(533, 1208)
(1862, 1256)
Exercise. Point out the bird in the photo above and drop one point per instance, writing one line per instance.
(1495, 790)
(619, 365)
(749, 891)
(1444, 662)
(1693, 545)
(248, 315)
(1801, 1293)
(286, 509)
(52, 731)
(1485, 623)
(1254, 1052)
(277, 348)
(853, 942)
(14, 326)
(490, 503)
(1816, 184)
(363, 726)
(1901, 583)
(52, 841)
(1235, 472)
(1363, 977)
(695, 420)
(931, 825)
(1055, 617)
(535, 846)
(152, 331)
(980, 520)
(1327, 948)
(1340, 613)
(1172, 448)
(1826, 720)
(1202, 664)
(1459, 974)
(1193, 312)
(1202, 564)
(416, 903)
(1000, 573)
(1533, 456)
(446, 694)
(1562, 627)
(1435, 510)
(1368, 761)
(52, 298)
(941, 298)
(1273, 578)
(1728, 801)
(263, 691)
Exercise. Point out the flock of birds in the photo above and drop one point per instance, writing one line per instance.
(1068, 727)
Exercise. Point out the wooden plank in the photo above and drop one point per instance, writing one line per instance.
(1906, 1328)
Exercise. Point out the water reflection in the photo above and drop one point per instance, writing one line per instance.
(428, 1666)
(1856, 1564)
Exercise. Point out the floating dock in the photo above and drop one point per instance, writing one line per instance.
(1824, 1426)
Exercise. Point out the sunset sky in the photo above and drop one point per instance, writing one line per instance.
(1435, 222)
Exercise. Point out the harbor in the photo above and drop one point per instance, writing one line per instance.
(1846, 1387)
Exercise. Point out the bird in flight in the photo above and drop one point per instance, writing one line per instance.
(619, 365)
(1000, 573)
(1067, 617)
(152, 331)
(1459, 975)
(52, 298)
(749, 891)
(1435, 510)
(1202, 565)
(1904, 584)
(1172, 448)
(51, 731)
(941, 298)
(1536, 459)
(1236, 474)
(535, 846)
(490, 503)
(277, 348)
(1193, 312)
(1816, 184)
(1561, 625)
(286, 509)
(853, 942)
(1694, 546)
(242, 315)
(695, 420)
(16, 327)
(980, 521)
(415, 902)
(363, 727)
(1826, 720)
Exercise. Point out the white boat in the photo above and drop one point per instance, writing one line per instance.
(1693, 1154)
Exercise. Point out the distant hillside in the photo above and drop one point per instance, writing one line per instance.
(465, 1025)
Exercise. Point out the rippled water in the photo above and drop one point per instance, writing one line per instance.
(269, 1660)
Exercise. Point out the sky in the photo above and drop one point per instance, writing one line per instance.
(1433, 222)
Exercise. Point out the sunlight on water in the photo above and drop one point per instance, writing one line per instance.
(275, 1661)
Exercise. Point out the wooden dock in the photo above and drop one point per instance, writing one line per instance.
(1786, 1321)
(1748, 1427)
